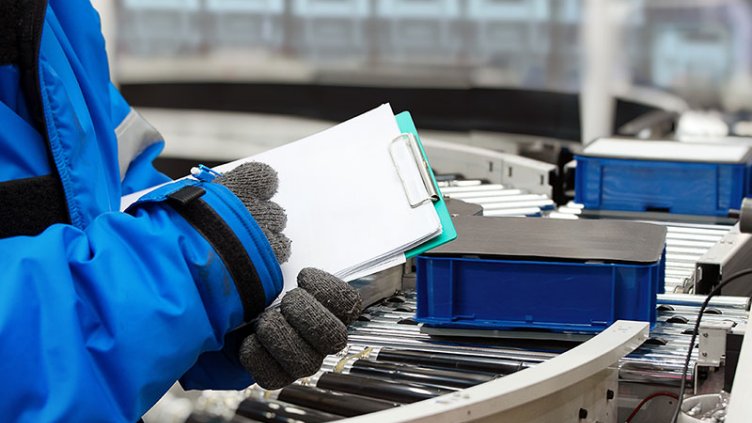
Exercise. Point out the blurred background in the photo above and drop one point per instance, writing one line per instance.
(530, 77)
(225, 79)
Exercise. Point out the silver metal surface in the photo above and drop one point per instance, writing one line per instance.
(492, 166)
(712, 348)
(379, 285)
(745, 216)
(727, 302)
(411, 144)
(498, 200)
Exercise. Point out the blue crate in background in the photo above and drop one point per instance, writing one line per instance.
(458, 292)
(683, 178)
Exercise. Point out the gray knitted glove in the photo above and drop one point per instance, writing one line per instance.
(291, 342)
(255, 184)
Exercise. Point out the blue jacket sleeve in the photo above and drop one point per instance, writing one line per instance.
(98, 323)
(214, 369)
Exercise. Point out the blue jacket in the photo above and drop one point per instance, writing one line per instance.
(102, 311)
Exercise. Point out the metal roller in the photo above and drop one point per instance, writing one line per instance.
(439, 378)
(452, 361)
(272, 411)
(343, 404)
(402, 392)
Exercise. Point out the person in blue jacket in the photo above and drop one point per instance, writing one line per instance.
(101, 311)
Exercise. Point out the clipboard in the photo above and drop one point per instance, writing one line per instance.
(412, 161)
(448, 233)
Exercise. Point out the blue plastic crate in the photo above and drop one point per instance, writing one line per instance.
(673, 186)
(462, 292)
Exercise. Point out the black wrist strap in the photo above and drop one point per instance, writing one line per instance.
(187, 202)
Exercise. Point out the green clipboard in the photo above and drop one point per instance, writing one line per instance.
(448, 233)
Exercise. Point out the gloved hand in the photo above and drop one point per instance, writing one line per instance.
(290, 342)
(255, 183)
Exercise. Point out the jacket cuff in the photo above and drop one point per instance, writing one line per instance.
(227, 226)
(219, 370)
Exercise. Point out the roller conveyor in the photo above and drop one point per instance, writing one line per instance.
(497, 199)
(389, 363)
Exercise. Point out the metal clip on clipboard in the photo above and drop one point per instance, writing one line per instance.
(408, 161)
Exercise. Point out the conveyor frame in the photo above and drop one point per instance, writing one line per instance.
(572, 381)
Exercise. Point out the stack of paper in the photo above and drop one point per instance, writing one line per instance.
(347, 206)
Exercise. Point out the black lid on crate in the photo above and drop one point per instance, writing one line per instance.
(569, 240)
(462, 208)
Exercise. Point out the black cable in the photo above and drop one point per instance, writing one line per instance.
(715, 291)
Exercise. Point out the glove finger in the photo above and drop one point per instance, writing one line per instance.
(251, 180)
(269, 215)
(285, 344)
(281, 245)
(322, 329)
(336, 295)
(262, 366)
